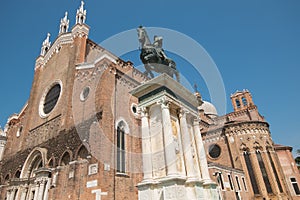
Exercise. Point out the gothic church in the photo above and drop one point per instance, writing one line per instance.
(94, 127)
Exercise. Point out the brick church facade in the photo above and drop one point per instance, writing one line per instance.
(87, 132)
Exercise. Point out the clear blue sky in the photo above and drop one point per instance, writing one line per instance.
(255, 45)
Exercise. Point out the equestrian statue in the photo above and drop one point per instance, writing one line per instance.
(154, 57)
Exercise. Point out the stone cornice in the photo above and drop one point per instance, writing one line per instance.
(237, 128)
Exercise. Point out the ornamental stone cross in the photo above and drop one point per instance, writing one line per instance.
(98, 193)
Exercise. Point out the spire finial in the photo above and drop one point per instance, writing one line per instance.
(66, 16)
(46, 45)
(81, 6)
(64, 24)
(81, 14)
(48, 38)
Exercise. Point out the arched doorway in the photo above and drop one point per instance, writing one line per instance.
(34, 179)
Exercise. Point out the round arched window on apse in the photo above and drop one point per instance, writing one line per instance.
(50, 98)
(214, 151)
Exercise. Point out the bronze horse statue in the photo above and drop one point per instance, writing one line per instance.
(154, 57)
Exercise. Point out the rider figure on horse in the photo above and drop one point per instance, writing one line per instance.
(154, 57)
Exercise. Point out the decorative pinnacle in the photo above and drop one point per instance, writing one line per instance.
(46, 45)
(81, 7)
(66, 16)
(48, 38)
(47, 42)
(64, 24)
(81, 14)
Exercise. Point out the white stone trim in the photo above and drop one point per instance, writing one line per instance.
(92, 65)
(91, 184)
(93, 169)
(85, 66)
(106, 56)
(126, 127)
(65, 38)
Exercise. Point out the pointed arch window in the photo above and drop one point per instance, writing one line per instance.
(82, 153)
(120, 149)
(66, 158)
(264, 172)
(251, 172)
(18, 174)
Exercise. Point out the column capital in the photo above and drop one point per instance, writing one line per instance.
(196, 121)
(182, 112)
(164, 103)
(24, 188)
(144, 111)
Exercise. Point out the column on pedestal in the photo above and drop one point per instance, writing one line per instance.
(8, 192)
(146, 146)
(13, 194)
(187, 145)
(36, 191)
(46, 189)
(170, 153)
(24, 193)
(41, 189)
(201, 152)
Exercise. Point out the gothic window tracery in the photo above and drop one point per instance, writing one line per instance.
(275, 172)
(120, 149)
(251, 172)
(36, 164)
(51, 98)
(264, 172)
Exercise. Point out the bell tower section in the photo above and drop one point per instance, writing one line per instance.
(241, 100)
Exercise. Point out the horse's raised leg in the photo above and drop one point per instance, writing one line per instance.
(148, 71)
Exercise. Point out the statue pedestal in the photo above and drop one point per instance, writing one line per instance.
(171, 142)
(176, 189)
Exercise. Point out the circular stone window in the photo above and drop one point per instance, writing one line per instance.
(134, 109)
(85, 93)
(214, 151)
(50, 99)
